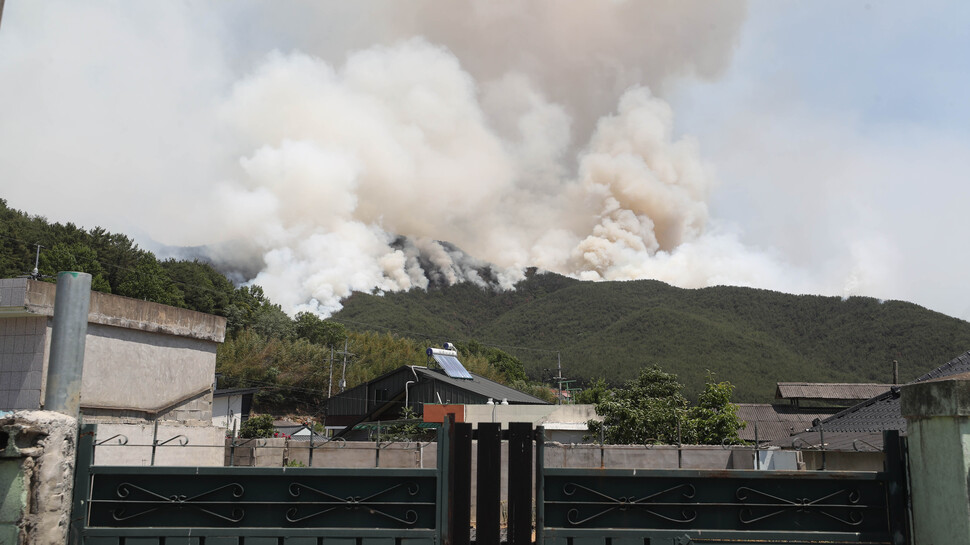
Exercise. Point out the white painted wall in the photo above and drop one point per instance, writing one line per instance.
(227, 412)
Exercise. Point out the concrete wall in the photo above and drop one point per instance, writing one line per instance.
(23, 360)
(227, 412)
(126, 369)
(142, 360)
(194, 445)
(938, 424)
(536, 414)
(36, 477)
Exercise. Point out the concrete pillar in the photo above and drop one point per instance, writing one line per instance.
(68, 334)
(938, 423)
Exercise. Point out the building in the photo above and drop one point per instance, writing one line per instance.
(231, 406)
(860, 427)
(384, 397)
(142, 361)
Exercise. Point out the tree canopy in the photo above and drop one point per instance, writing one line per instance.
(652, 409)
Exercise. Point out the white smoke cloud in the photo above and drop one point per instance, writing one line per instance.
(524, 134)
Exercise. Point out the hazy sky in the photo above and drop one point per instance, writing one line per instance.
(808, 147)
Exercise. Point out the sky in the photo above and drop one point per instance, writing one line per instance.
(321, 148)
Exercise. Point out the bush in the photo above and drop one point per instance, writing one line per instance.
(257, 426)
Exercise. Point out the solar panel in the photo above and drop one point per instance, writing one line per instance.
(449, 363)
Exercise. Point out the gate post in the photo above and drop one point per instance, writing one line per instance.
(82, 481)
(520, 483)
(462, 500)
(540, 482)
(445, 475)
(488, 509)
(938, 422)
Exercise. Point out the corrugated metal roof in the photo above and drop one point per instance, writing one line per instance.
(828, 390)
(482, 386)
(777, 422)
(883, 412)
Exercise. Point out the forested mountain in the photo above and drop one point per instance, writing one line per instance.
(751, 337)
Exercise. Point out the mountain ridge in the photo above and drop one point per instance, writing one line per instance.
(749, 336)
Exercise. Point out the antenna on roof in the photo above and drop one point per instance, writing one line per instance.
(895, 372)
(36, 273)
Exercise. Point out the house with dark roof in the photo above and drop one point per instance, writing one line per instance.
(385, 397)
(860, 426)
(798, 405)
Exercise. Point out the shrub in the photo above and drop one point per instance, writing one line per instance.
(257, 426)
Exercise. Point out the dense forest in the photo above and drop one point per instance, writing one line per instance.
(750, 337)
(611, 330)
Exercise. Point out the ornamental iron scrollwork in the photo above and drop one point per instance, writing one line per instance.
(781, 505)
(646, 504)
(353, 503)
(178, 501)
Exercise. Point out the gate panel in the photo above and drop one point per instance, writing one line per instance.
(745, 505)
(130, 505)
(682, 506)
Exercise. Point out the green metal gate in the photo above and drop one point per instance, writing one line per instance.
(683, 506)
(131, 505)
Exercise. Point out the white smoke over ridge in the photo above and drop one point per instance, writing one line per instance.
(396, 142)
(522, 133)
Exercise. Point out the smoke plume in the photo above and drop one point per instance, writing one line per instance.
(387, 146)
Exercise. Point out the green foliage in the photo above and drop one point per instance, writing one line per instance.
(652, 409)
(74, 257)
(257, 427)
(149, 281)
(752, 337)
(406, 429)
(309, 326)
(594, 393)
(510, 366)
(204, 289)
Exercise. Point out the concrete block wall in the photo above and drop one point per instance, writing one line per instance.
(203, 445)
(23, 346)
(191, 412)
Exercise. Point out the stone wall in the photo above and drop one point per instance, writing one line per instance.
(36, 477)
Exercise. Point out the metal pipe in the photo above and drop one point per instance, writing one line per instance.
(68, 332)
(154, 440)
(757, 451)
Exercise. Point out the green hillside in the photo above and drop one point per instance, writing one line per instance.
(753, 338)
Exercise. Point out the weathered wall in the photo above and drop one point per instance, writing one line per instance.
(938, 424)
(141, 359)
(22, 361)
(128, 369)
(36, 477)
(536, 414)
(193, 446)
(227, 412)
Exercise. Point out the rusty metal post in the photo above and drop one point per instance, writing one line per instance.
(71, 304)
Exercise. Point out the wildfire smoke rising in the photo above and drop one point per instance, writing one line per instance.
(525, 134)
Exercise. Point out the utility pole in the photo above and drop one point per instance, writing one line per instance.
(1, 10)
(559, 366)
(330, 382)
(343, 374)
